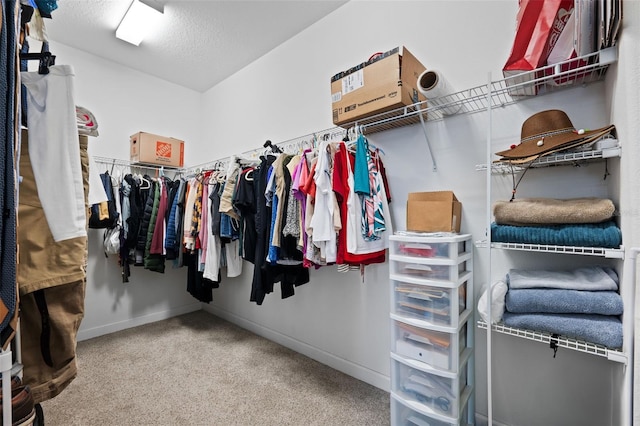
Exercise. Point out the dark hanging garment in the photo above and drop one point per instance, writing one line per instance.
(260, 286)
(153, 261)
(179, 262)
(172, 238)
(214, 205)
(289, 277)
(290, 255)
(8, 292)
(147, 196)
(158, 235)
(199, 287)
(105, 215)
(136, 208)
(245, 202)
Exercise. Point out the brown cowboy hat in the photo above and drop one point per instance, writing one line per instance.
(550, 131)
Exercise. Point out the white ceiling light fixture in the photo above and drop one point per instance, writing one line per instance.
(141, 17)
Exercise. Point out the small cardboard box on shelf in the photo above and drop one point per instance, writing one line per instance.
(385, 82)
(147, 148)
(438, 211)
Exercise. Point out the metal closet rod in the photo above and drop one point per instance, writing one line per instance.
(118, 162)
(283, 146)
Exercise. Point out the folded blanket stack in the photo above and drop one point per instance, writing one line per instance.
(571, 222)
(582, 303)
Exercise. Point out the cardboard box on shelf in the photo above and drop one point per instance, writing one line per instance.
(438, 211)
(147, 148)
(385, 82)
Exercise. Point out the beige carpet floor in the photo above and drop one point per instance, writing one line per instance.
(197, 369)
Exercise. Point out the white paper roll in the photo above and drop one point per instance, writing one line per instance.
(433, 85)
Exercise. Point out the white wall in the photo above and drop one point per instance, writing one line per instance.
(342, 319)
(625, 112)
(286, 94)
(124, 102)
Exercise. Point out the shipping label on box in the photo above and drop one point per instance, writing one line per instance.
(148, 148)
(438, 211)
(384, 83)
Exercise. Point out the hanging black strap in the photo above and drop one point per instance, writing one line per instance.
(45, 334)
(553, 344)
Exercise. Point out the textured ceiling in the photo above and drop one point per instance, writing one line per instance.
(197, 45)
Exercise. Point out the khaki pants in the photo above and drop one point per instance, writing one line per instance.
(51, 281)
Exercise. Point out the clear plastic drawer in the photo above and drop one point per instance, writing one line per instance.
(437, 305)
(404, 268)
(408, 413)
(434, 249)
(439, 349)
(415, 381)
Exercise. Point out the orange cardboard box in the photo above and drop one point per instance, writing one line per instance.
(147, 148)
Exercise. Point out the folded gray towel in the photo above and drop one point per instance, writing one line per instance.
(590, 278)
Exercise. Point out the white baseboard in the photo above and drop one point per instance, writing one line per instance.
(344, 365)
(482, 420)
(134, 322)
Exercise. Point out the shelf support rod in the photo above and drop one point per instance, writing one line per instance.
(5, 369)
(488, 276)
(426, 137)
(628, 343)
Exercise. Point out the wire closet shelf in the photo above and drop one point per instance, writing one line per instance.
(559, 341)
(560, 159)
(579, 71)
(609, 253)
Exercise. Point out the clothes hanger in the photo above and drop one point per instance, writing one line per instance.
(145, 183)
(358, 131)
(274, 148)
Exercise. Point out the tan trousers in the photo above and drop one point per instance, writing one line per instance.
(51, 281)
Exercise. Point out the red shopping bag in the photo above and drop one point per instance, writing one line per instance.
(539, 25)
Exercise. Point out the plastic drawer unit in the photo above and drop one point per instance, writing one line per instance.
(432, 365)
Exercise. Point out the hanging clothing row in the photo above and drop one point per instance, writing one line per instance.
(284, 213)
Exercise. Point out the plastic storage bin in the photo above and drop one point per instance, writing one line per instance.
(419, 269)
(434, 249)
(408, 413)
(441, 350)
(437, 305)
(418, 382)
